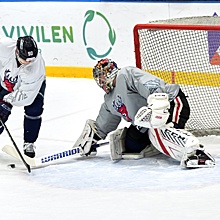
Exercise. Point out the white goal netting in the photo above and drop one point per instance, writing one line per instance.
(186, 51)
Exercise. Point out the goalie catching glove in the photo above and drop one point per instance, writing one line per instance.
(87, 139)
(155, 114)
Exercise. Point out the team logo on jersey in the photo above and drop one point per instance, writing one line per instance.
(9, 81)
(120, 107)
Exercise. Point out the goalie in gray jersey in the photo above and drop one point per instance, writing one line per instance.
(140, 98)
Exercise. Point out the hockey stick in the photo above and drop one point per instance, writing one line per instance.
(46, 160)
(16, 148)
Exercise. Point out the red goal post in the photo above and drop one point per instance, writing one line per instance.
(189, 55)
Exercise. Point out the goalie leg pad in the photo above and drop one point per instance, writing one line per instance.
(117, 143)
(117, 147)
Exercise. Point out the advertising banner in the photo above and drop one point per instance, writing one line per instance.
(73, 36)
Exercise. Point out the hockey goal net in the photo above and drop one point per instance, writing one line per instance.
(186, 51)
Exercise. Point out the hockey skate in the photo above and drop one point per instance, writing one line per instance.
(200, 159)
(29, 149)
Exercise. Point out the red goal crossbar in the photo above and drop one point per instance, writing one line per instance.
(138, 27)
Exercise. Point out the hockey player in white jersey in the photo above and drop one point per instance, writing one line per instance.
(22, 83)
(157, 111)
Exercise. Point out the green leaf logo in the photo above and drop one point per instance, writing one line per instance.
(89, 16)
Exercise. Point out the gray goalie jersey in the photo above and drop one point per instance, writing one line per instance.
(133, 86)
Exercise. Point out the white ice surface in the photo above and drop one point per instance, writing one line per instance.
(96, 188)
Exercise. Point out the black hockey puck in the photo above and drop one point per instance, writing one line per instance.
(12, 165)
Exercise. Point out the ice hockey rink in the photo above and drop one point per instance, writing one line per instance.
(153, 188)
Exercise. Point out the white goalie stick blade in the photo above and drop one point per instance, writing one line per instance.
(46, 160)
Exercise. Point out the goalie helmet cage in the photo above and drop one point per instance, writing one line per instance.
(186, 51)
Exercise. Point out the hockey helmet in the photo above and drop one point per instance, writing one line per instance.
(104, 72)
(27, 48)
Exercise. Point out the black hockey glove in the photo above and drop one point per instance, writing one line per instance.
(5, 109)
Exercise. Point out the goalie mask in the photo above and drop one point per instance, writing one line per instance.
(104, 74)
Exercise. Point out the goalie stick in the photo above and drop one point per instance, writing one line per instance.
(16, 149)
(46, 160)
